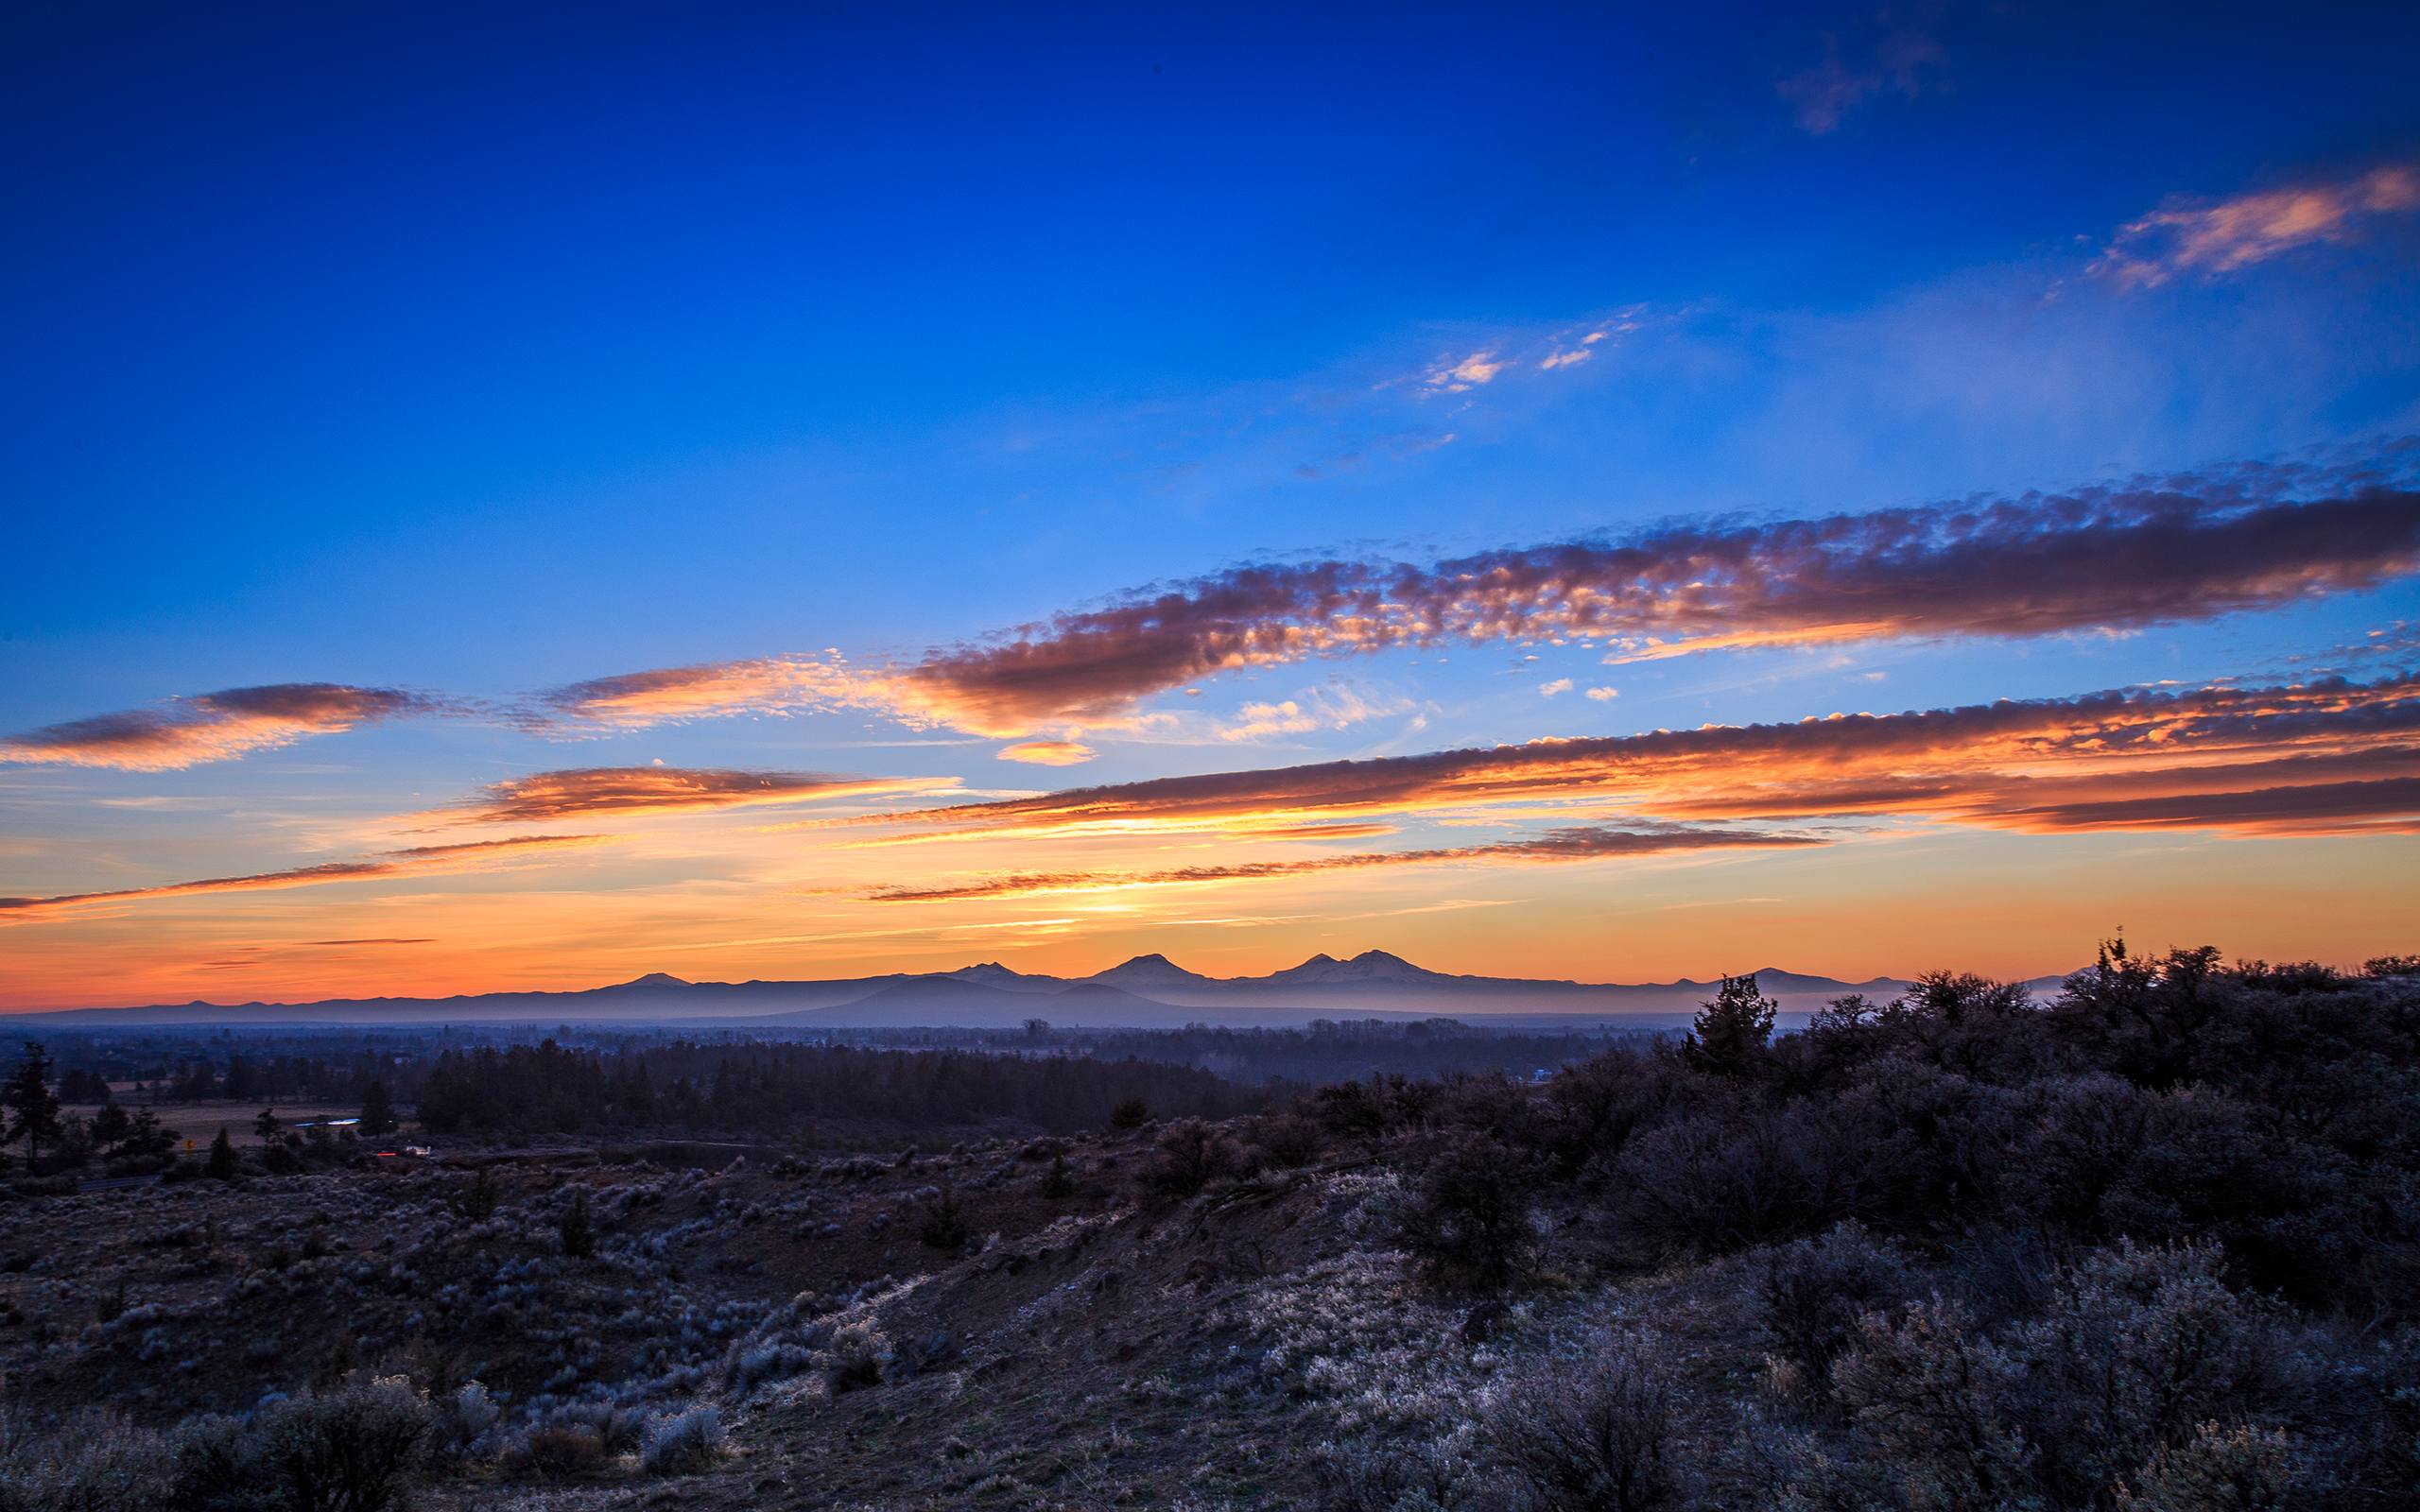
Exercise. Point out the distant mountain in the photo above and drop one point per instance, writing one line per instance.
(1369, 967)
(1147, 972)
(1147, 990)
(992, 973)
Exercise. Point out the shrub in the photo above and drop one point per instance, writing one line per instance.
(1058, 1181)
(2137, 1348)
(855, 1357)
(459, 1423)
(2234, 1469)
(347, 1449)
(684, 1443)
(553, 1451)
(943, 1226)
(1288, 1140)
(1723, 1180)
(1603, 1437)
(1599, 1103)
(620, 1430)
(1932, 1402)
(1192, 1153)
(478, 1197)
(1470, 1223)
(1810, 1295)
(1386, 1478)
(751, 1368)
(94, 1461)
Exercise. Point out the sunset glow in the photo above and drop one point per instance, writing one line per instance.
(940, 531)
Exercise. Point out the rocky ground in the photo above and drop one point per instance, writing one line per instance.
(1102, 1346)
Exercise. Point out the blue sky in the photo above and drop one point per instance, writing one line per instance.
(480, 354)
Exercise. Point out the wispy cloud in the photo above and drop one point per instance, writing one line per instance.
(213, 727)
(2213, 238)
(1048, 752)
(1338, 707)
(1822, 96)
(771, 684)
(414, 861)
(1459, 375)
(1527, 351)
(1570, 844)
(589, 791)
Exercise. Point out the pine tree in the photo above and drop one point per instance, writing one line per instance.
(1733, 1030)
(377, 1110)
(268, 1124)
(33, 1107)
(222, 1157)
(578, 1228)
(1058, 1181)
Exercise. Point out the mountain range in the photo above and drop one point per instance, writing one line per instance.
(1149, 991)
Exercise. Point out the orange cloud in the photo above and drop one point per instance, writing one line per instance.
(416, 860)
(2385, 805)
(1048, 752)
(776, 684)
(582, 792)
(1988, 763)
(2227, 234)
(212, 727)
(1575, 843)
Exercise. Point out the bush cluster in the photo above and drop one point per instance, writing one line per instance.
(2151, 1244)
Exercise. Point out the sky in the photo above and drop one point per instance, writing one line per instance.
(514, 497)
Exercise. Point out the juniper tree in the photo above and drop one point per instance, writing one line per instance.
(378, 1109)
(32, 1105)
(222, 1157)
(1732, 1031)
(944, 1226)
(478, 1200)
(578, 1228)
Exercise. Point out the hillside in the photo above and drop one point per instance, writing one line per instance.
(1966, 1249)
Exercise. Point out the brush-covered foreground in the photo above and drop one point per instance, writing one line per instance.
(2153, 1246)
